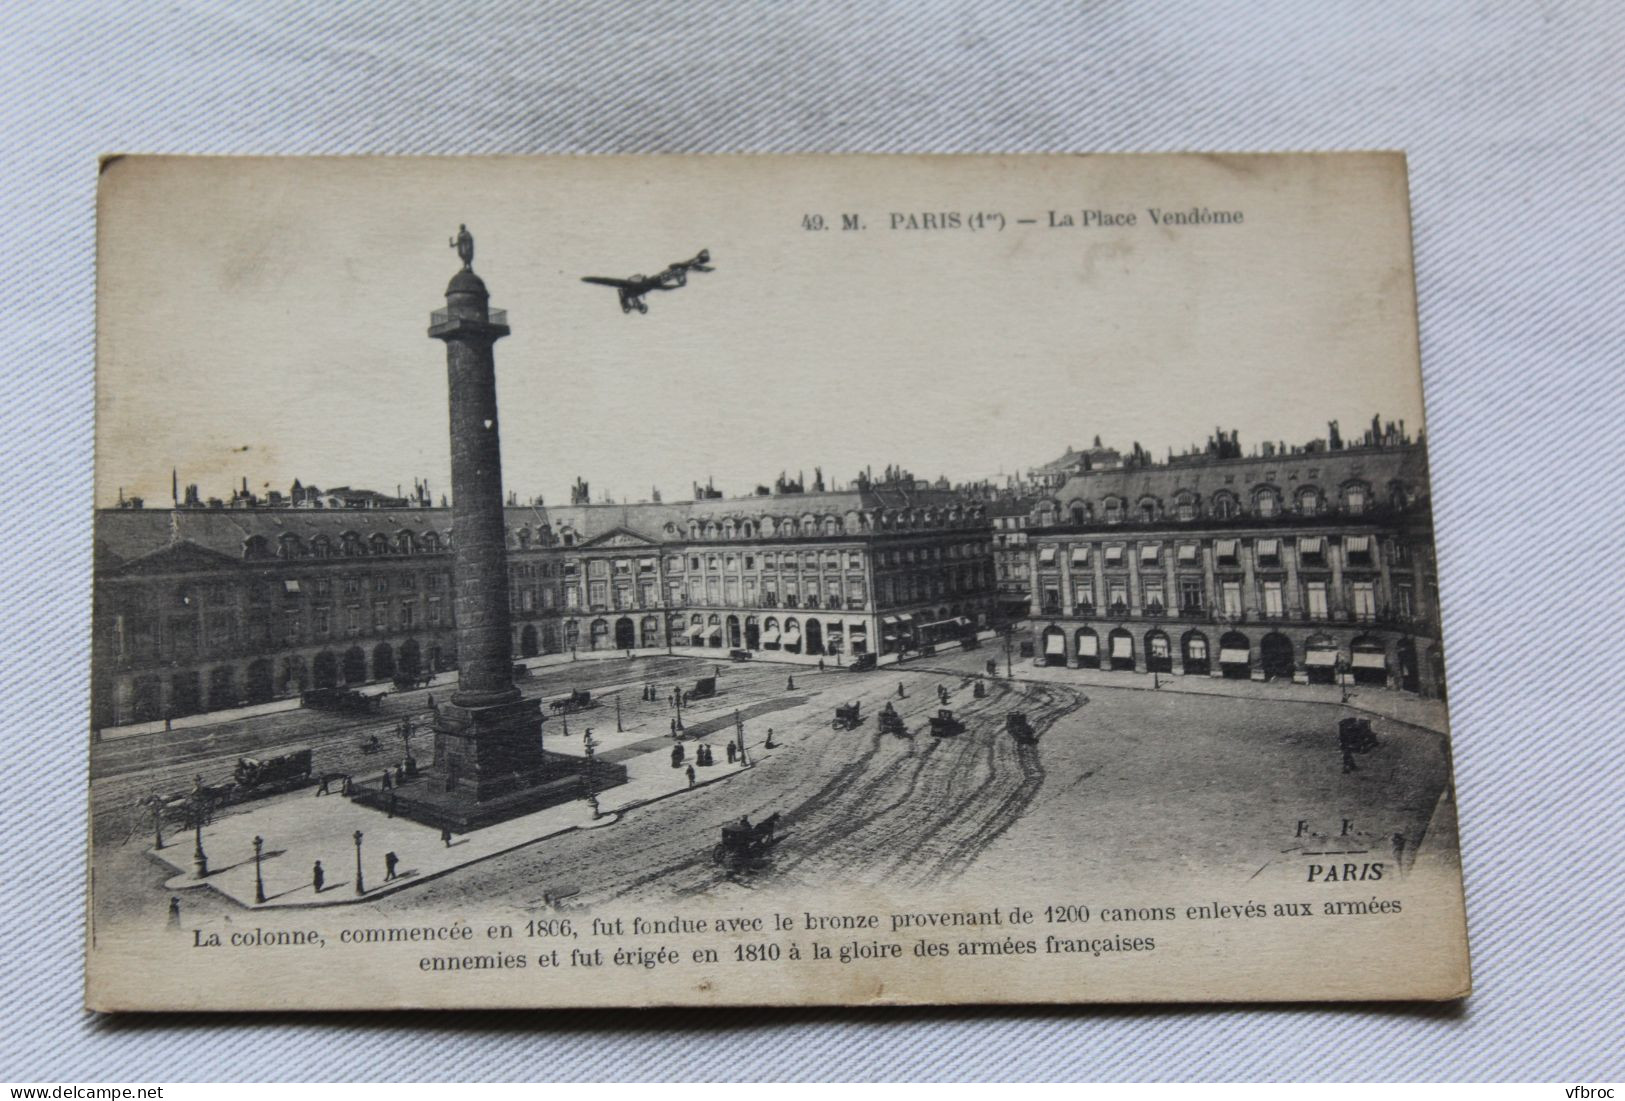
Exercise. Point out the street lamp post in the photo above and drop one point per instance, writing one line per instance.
(1008, 631)
(157, 825)
(360, 883)
(259, 880)
(200, 859)
(618, 729)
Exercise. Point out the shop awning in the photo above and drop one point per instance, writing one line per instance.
(1225, 548)
(889, 620)
(1189, 552)
(1364, 659)
(1080, 556)
(1088, 646)
(770, 635)
(695, 630)
(859, 629)
(1046, 556)
(290, 586)
(1358, 544)
(715, 632)
(1268, 548)
(1320, 658)
(1122, 646)
(1114, 555)
(1229, 656)
(1055, 643)
(1312, 544)
(1150, 551)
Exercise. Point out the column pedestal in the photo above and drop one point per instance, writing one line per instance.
(484, 752)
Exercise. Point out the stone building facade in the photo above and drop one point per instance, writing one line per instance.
(199, 609)
(1311, 564)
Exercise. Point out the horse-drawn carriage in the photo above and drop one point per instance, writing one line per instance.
(848, 716)
(341, 699)
(743, 843)
(862, 663)
(252, 772)
(579, 699)
(405, 682)
(944, 725)
(892, 723)
(704, 689)
(1355, 736)
(1019, 728)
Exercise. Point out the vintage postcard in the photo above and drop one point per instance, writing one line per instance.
(777, 580)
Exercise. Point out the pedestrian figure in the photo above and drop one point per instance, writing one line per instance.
(445, 836)
(174, 911)
(322, 790)
(390, 860)
(169, 723)
(820, 665)
(387, 785)
(690, 775)
(317, 876)
(674, 728)
(677, 756)
(400, 774)
(392, 804)
(769, 743)
(790, 684)
(733, 753)
(900, 690)
(346, 788)
(1348, 760)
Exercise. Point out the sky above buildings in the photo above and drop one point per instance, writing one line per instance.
(267, 319)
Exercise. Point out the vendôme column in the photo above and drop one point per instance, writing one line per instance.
(488, 740)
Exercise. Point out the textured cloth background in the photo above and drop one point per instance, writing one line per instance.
(1514, 119)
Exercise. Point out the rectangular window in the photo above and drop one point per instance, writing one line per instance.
(408, 582)
(770, 592)
(730, 590)
(1190, 594)
(380, 617)
(380, 584)
(1225, 550)
(1358, 548)
(1269, 552)
(1365, 600)
(353, 620)
(527, 601)
(436, 617)
(674, 593)
(646, 565)
(1312, 550)
(1149, 553)
(857, 593)
(1080, 556)
(597, 567)
(1404, 601)
(598, 592)
(623, 596)
(322, 621)
(572, 596)
(1052, 599)
(1273, 605)
(1155, 603)
(648, 594)
(1083, 592)
(1117, 595)
(290, 628)
(1189, 554)
(750, 561)
(854, 560)
(1114, 556)
(1231, 591)
(409, 615)
(1315, 592)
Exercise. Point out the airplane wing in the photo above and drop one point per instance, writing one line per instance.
(602, 281)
